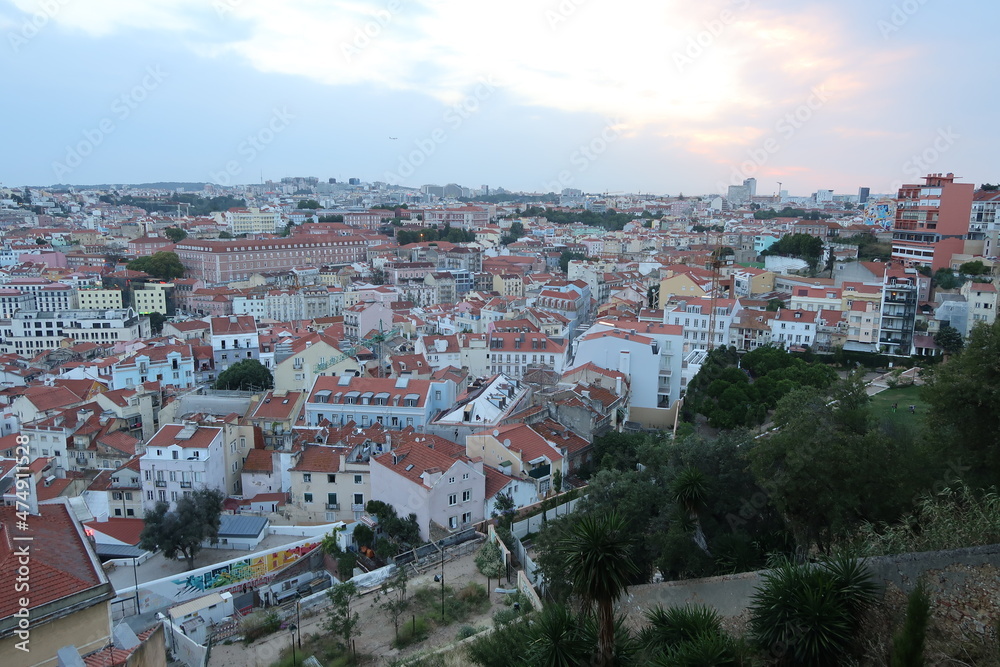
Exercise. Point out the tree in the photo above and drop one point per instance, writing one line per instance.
(175, 234)
(180, 532)
(391, 597)
(340, 620)
(557, 481)
(225, 235)
(949, 339)
(964, 403)
(775, 305)
(156, 321)
(516, 229)
(309, 203)
(363, 535)
(599, 565)
(908, 644)
(490, 563)
(974, 268)
(945, 278)
(566, 257)
(504, 509)
(691, 492)
(40, 241)
(246, 375)
(162, 265)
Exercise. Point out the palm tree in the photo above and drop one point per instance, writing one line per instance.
(691, 491)
(599, 565)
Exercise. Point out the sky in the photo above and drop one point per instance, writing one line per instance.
(657, 96)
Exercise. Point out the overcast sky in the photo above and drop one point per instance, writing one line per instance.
(537, 95)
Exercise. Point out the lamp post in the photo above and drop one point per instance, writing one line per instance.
(298, 619)
(441, 579)
(291, 628)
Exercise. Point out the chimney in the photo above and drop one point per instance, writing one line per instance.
(618, 386)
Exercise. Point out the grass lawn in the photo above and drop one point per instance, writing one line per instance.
(904, 397)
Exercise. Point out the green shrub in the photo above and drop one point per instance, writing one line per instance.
(413, 631)
(466, 631)
(908, 644)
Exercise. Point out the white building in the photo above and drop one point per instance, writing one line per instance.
(32, 331)
(179, 459)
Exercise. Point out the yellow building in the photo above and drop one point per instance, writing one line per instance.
(100, 299)
(152, 298)
(681, 285)
(508, 285)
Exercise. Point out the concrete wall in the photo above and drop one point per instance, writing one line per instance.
(730, 595)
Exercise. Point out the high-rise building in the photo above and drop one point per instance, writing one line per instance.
(751, 185)
(863, 195)
(932, 221)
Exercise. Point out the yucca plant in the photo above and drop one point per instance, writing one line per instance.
(809, 614)
(669, 627)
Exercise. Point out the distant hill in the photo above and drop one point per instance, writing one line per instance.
(187, 187)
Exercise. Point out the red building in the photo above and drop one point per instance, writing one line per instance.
(218, 262)
(932, 221)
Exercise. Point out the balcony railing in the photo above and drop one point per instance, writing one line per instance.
(358, 507)
(185, 485)
(333, 506)
(161, 483)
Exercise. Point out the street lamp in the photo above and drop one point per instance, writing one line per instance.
(298, 618)
(441, 579)
(291, 628)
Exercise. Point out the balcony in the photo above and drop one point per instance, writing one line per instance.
(185, 485)
(81, 460)
(161, 483)
(333, 506)
(358, 507)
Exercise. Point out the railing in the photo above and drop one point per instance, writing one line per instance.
(357, 507)
(185, 485)
(333, 506)
(161, 483)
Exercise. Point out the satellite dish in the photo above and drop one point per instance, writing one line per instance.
(506, 442)
(496, 433)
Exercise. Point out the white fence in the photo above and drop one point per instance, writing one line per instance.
(534, 523)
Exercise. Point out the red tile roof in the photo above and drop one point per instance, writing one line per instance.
(258, 460)
(61, 563)
(167, 435)
(123, 530)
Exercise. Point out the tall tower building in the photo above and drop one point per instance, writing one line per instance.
(863, 195)
(751, 185)
(932, 221)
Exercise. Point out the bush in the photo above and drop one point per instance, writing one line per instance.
(472, 593)
(809, 614)
(467, 631)
(413, 631)
(259, 624)
(908, 644)
(505, 616)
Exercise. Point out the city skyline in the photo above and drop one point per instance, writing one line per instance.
(689, 99)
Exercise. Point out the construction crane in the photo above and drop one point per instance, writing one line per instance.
(375, 341)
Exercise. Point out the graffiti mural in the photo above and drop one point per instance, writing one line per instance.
(249, 571)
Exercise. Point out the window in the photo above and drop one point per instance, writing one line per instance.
(452, 499)
(453, 522)
(466, 496)
(451, 480)
(128, 495)
(116, 495)
(359, 499)
(467, 517)
(331, 500)
(307, 477)
(307, 497)
(331, 479)
(118, 512)
(358, 479)
(465, 475)
(129, 512)
(149, 495)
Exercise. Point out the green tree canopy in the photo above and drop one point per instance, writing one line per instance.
(964, 398)
(175, 234)
(949, 339)
(246, 375)
(568, 256)
(308, 203)
(180, 532)
(162, 265)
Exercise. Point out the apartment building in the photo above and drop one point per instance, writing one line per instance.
(96, 298)
(252, 221)
(33, 331)
(932, 221)
(220, 262)
(794, 329)
(695, 316)
(234, 339)
(394, 403)
(179, 459)
(513, 353)
(900, 296)
(331, 483)
(433, 479)
(168, 364)
(982, 304)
